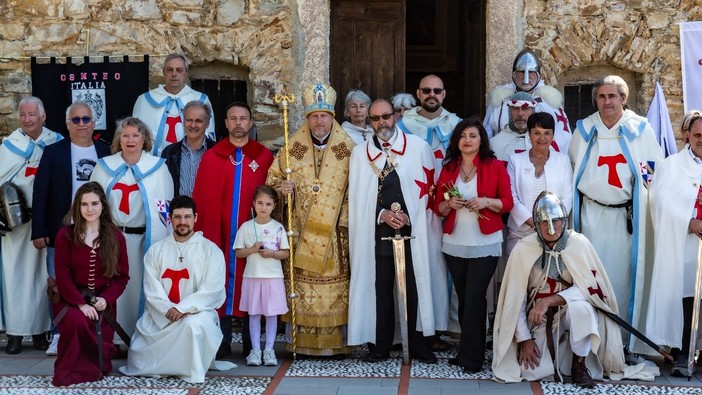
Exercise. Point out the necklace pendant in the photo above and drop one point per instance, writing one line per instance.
(180, 259)
(316, 188)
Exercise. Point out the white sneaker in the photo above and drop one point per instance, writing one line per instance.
(269, 358)
(254, 358)
(53, 347)
(636, 359)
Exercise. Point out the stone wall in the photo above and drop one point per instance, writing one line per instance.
(250, 36)
(639, 38)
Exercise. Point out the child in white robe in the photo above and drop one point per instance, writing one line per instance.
(263, 242)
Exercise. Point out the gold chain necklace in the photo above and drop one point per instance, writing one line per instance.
(389, 169)
(234, 162)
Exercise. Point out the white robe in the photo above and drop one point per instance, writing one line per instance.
(673, 197)
(548, 99)
(156, 105)
(508, 142)
(436, 132)
(25, 308)
(185, 348)
(415, 171)
(147, 206)
(632, 144)
(358, 135)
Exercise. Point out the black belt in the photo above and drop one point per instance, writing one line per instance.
(139, 230)
(628, 205)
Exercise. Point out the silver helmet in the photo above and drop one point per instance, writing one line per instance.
(526, 61)
(548, 207)
(14, 210)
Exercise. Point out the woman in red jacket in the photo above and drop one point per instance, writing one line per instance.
(474, 191)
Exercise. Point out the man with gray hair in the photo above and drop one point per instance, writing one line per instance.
(63, 168)
(183, 158)
(161, 108)
(614, 153)
(25, 307)
(513, 137)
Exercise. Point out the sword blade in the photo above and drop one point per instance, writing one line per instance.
(398, 243)
(695, 314)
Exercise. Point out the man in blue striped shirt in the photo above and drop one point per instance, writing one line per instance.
(183, 158)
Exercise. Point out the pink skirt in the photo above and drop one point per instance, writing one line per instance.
(265, 296)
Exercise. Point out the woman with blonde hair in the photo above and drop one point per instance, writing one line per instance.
(138, 187)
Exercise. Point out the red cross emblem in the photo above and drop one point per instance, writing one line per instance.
(552, 283)
(126, 190)
(171, 123)
(175, 276)
(426, 188)
(561, 117)
(596, 291)
(30, 171)
(611, 162)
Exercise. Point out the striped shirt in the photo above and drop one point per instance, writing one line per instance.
(189, 162)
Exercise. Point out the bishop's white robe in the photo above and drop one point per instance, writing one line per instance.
(195, 286)
(25, 308)
(162, 112)
(416, 173)
(612, 166)
(139, 196)
(548, 99)
(673, 201)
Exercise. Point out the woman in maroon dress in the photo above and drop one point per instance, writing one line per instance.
(91, 273)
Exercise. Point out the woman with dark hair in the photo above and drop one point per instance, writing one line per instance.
(91, 273)
(474, 191)
(138, 187)
(533, 171)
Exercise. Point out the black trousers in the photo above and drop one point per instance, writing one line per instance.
(385, 306)
(225, 324)
(471, 277)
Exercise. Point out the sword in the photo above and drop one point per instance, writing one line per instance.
(398, 244)
(695, 315)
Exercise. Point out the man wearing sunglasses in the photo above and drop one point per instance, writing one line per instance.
(430, 121)
(392, 168)
(25, 307)
(161, 109)
(63, 168)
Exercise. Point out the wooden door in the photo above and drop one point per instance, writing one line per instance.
(367, 48)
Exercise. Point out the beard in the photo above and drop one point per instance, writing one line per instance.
(431, 107)
(183, 231)
(515, 129)
(385, 133)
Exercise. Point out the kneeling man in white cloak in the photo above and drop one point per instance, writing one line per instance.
(550, 319)
(179, 334)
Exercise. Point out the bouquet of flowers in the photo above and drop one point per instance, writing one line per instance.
(452, 191)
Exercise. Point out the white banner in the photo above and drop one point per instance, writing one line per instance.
(691, 59)
(659, 118)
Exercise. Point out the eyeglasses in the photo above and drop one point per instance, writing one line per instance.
(76, 120)
(376, 118)
(437, 91)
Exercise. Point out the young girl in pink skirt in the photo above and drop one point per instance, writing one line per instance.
(264, 243)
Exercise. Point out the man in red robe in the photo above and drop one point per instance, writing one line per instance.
(224, 186)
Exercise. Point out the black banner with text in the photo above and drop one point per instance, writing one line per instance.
(110, 87)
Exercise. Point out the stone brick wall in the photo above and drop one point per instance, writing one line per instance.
(250, 35)
(640, 38)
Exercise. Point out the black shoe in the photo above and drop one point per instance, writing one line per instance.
(14, 344)
(580, 374)
(225, 350)
(338, 357)
(428, 358)
(376, 357)
(121, 353)
(440, 345)
(40, 342)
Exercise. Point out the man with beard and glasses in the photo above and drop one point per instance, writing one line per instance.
(319, 153)
(229, 174)
(392, 167)
(183, 287)
(513, 138)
